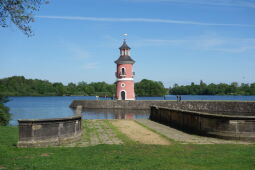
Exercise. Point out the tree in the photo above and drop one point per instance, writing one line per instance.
(4, 112)
(150, 88)
(19, 12)
(59, 89)
(233, 87)
(245, 88)
(252, 89)
(71, 88)
(212, 89)
(203, 87)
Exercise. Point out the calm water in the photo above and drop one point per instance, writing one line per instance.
(55, 107)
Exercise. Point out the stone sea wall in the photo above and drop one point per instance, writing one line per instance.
(219, 107)
(221, 126)
(49, 132)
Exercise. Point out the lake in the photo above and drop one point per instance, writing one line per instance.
(58, 106)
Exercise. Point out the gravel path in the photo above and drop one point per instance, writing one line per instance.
(183, 137)
(139, 133)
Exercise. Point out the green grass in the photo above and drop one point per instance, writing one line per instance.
(126, 156)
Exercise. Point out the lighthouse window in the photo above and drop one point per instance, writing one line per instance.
(123, 85)
(123, 72)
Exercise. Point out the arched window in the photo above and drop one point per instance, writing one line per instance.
(123, 71)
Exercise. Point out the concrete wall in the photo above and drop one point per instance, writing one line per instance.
(49, 132)
(221, 126)
(219, 107)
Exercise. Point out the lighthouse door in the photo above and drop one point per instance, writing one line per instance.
(123, 95)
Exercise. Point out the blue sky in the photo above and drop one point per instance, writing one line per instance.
(173, 41)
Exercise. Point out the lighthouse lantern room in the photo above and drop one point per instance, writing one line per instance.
(124, 74)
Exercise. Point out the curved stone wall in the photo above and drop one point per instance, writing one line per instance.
(235, 127)
(49, 132)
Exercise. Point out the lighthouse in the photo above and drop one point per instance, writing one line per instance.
(124, 74)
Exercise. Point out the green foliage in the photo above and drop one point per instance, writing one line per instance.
(20, 86)
(213, 89)
(4, 112)
(59, 89)
(19, 12)
(150, 88)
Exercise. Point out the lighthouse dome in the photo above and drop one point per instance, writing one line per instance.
(125, 60)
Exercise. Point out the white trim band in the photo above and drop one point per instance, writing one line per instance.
(124, 79)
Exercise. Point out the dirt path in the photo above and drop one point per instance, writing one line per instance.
(139, 133)
(183, 137)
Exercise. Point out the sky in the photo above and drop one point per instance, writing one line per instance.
(173, 41)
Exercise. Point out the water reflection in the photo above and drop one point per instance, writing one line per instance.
(114, 114)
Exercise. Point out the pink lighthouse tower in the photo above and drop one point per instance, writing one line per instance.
(125, 75)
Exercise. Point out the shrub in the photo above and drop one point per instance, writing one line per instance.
(4, 112)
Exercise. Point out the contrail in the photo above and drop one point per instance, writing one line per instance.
(148, 20)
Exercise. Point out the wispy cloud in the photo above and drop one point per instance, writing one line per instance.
(208, 43)
(234, 3)
(146, 20)
(240, 49)
(89, 66)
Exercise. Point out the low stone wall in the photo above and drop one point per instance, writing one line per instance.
(219, 107)
(49, 132)
(221, 126)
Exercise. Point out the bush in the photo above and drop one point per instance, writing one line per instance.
(4, 112)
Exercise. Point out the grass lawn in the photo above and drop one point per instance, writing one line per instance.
(129, 155)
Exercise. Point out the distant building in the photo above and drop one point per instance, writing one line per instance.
(125, 75)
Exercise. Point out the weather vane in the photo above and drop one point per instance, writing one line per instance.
(125, 36)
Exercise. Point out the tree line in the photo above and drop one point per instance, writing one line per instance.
(20, 86)
(213, 89)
